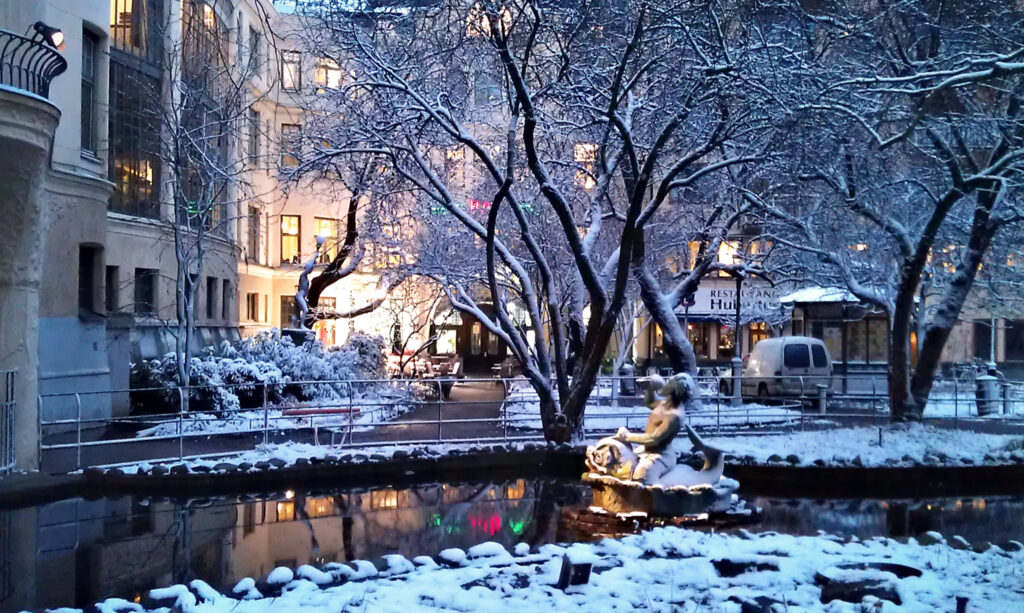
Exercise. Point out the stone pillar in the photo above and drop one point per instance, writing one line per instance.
(27, 125)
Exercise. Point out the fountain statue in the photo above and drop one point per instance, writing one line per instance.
(648, 478)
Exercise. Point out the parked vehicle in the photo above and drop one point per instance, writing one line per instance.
(787, 366)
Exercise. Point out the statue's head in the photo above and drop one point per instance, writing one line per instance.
(678, 389)
(611, 457)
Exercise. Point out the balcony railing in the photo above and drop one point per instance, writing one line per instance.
(28, 64)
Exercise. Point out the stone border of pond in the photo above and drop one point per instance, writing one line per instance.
(189, 480)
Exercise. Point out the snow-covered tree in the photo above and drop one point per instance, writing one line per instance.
(908, 154)
(540, 142)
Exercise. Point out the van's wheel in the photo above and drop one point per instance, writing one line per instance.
(762, 393)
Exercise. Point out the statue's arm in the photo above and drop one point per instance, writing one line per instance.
(665, 432)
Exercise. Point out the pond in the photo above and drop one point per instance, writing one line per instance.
(77, 552)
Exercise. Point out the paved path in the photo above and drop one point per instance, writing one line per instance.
(476, 400)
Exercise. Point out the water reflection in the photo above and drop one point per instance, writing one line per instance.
(77, 552)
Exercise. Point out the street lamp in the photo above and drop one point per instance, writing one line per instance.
(53, 36)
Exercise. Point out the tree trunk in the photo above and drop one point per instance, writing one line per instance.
(953, 299)
(900, 408)
(677, 345)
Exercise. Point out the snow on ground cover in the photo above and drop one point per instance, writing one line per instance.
(368, 410)
(901, 444)
(523, 411)
(665, 569)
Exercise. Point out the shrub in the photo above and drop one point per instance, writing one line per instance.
(268, 364)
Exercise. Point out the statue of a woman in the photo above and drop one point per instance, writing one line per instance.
(300, 295)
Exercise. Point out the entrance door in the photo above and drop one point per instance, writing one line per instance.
(480, 350)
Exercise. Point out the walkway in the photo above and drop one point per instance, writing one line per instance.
(467, 401)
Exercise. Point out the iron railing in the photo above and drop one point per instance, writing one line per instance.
(29, 64)
(76, 431)
(7, 406)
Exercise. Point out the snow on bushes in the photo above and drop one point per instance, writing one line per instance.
(239, 375)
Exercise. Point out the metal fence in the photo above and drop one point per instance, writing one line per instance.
(7, 406)
(185, 423)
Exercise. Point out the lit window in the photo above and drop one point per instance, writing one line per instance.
(328, 74)
(859, 247)
(291, 70)
(384, 499)
(209, 19)
(728, 254)
(585, 155)
(290, 239)
(285, 511)
(319, 507)
(327, 228)
(477, 23)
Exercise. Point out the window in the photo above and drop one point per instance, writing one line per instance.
(110, 286)
(327, 228)
(225, 300)
(211, 297)
(254, 136)
(253, 242)
(796, 356)
(287, 311)
(133, 27)
(728, 254)
(239, 40)
(255, 50)
(290, 239)
(1014, 333)
(88, 118)
(88, 257)
(291, 144)
(133, 161)
(291, 70)
(820, 359)
(328, 74)
(485, 89)
(252, 306)
(585, 154)
(145, 291)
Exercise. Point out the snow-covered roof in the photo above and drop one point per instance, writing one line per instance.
(819, 294)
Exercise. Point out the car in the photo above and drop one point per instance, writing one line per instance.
(787, 366)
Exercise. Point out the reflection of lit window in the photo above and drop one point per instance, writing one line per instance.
(384, 499)
(515, 491)
(859, 247)
(319, 507)
(451, 494)
(328, 74)
(285, 511)
(585, 154)
(476, 339)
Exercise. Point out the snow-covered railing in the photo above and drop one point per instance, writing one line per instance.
(28, 64)
(79, 430)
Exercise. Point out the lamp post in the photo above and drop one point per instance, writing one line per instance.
(737, 358)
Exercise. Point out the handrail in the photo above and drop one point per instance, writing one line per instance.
(29, 64)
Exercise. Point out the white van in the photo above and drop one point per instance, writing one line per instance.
(787, 366)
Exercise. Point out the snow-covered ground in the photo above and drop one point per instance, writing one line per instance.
(605, 413)
(665, 569)
(366, 410)
(898, 444)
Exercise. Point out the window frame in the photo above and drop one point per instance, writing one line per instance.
(291, 57)
(90, 60)
(298, 239)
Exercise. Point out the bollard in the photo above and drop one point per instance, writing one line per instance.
(822, 398)
(987, 395)
(961, 604)
(737, 367)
